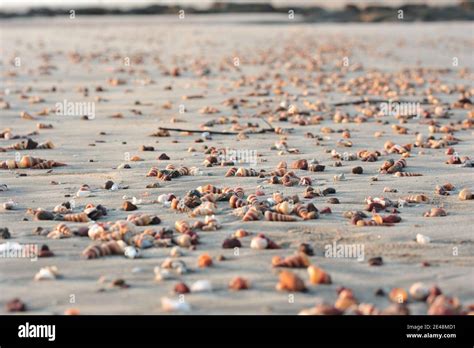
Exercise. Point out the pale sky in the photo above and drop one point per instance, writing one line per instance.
(12, 4)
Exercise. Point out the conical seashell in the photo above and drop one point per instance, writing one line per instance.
(318, 276)
(108, 248)
(236, 202)
(152, 172)
(209, 189)
(270, 216)
(47, 273)
(62, 209)
(294, 261)
(179, 205)
(239, 192)
(252, 215)
(252, 199)
(143, 219)
(231, 172)
(61, 231)
(206, 208)
(289, 281)
(143, 240)
(81, 217)
(46, 145)
(242, 172)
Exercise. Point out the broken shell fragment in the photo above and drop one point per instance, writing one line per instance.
(422, 239)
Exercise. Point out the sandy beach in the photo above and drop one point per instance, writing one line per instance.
(245, 70)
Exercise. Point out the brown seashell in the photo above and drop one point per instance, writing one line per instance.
(61, 231)
(15, 305)
(271, 216)
(252, 215)
(204, 260)
(289, 281)
(129, 206)
(318, 276)
(108, 248)
(239, 283)
(294, 261)
(43, 215)
(300, 164)
(231, 172)
(231, 243)
(465, 194)
(434, 212)
(182, 226)
(236, 202)
(181, 288)
(81, 217)
(357, 170)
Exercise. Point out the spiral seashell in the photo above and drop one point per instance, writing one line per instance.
(278, 172)
(252, 214)
(399, 174)
(81, 217)
(182, 226)
(46, 145)
(44, 165)
(9, 164)
(239, 192)
(305, 181)
(210, 197)
(278, 197)
(143, 219)
(252, 199)
(152, 172)
(271, 216)
(96, 232)
(361, 223)
(208, 189)
(417, 198)
(397, 166)
(289, 281)
(246, 172)
(206, 208)
(236, 202)
(318, 276)
(61, 209)
(303, 212)
(100, 250)
(294, 261)
(61, 231)
(178, 204)
(231, 172)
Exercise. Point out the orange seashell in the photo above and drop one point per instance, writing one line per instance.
(231, 172)
(236, 202)
(204, 260)
(108, 248)
(294, 261)
(81, 217)
(289, 281)
(182, 226)
(252, 215)
(398, 295)
(72, 311)
(270, 216)
(238, 284)
(318, 276)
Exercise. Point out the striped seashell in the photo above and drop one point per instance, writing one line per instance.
(28, 162)
(399, 174)
(206, 208)
(122, 227)
(9, 164)
(81, 217)
(252, 214)
(96, 232)
(100, 250)
(305, 181)
(46, 145)
(140, 219)
(240, 212)
(278, 172)
(209, 189)
(362, 222)
(397, 166)
(295, 261)
(182, 226)
(278, 197)
(44, 165)
(61, 209)
(284, 208)
(231, 172)
(163, 176)
(236, 202)
(210, 197)
(386, 165)
(271, 216)
(194, 201)
(303, 212)
(242, 172)
(61, 231)
(153, 172)
(170, 167)
(252, 199)
(239, 192)
(421, 198)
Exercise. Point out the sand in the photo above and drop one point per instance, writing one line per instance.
(165, 42)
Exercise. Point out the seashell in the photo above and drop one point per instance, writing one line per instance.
(171, 305)
(206, 208)
(84, 191)
(231, 172)
(282, 164)
(108, 248)
(419, 291)
(243, 172)
(345, 300)
(62, 209)
(204, 260)
(231, 243)
(81, 217)
(10, 205)
(176, 252)
(417, 198)
(300, 164)
(434, 212)
(181, 288)
(184, 240)
(270, 216)
(294, 261)
(182, 226)
(208, 189)
(239, 283)
(321, 309)
(290, 282)
(143, 240)
(258, 243)
(444, 305)
(5, 233)
(316, 168)
(465, 194)
(241, 233)
(15, 305)
(339, 177)
(284, 208)
(131, 252)
(303, 212)
(201, 286)
(143, 219)
(252, 215)
(47, 273)
(318, 276)
(61, 231)
(278, 172)
(29, 162)
(162, 274)
(422, 239)
(128, 206)
(398, 295)
(305, 181)
(400, 174)
(357, 170)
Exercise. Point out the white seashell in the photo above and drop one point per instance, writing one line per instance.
(114, 187)
(170, 305)
(339, 177)
(10, 205)
(47, 273)
(419, 291)
(258, 243)
(176, 252)
(201, 286)
(3, 187)
(83, 193)
(136, 201)
(206, 135)
(184, 241)
(131, 252)
(422, 239)
(163, 198)
(162, 274)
